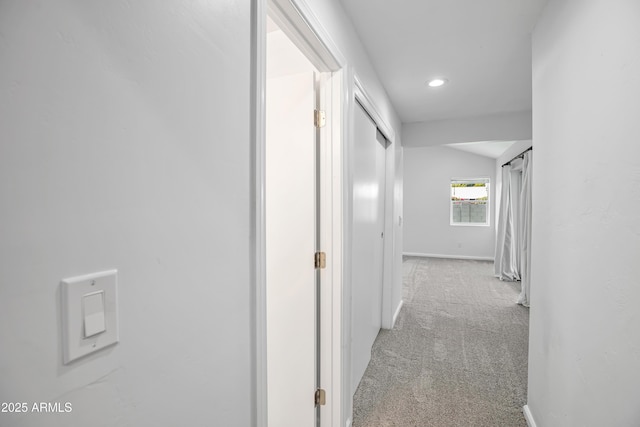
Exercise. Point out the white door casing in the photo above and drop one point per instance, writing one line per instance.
(296, 19)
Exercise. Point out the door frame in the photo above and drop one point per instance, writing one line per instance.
(389, 313)
(297, 20)
(359, 298)
(341, 89)
(356, 92)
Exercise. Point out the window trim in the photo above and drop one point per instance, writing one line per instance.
(487, 223)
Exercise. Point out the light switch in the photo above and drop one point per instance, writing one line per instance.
(89, 313)
(93, 308)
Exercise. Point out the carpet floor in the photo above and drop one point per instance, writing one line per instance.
(457, 355)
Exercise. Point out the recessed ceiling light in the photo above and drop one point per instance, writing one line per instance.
(437, 82)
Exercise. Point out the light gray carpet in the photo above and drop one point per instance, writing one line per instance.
(457, 355)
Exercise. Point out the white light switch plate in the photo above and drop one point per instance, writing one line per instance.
(73, 292)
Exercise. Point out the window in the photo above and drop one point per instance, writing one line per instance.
(470, 201)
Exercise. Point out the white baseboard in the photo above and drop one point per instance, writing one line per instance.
(528, 416)
(395, 315)
(478, 258)
(349, 422)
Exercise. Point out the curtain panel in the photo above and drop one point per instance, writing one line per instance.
(513, 245)
(506, 266)
(525, 229)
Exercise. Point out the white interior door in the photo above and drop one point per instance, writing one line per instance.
(368, 228)
(290, 246)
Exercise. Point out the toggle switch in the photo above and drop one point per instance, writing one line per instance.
(93, 309)
(89, 307)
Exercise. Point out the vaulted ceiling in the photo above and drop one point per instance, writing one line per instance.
(483, 48)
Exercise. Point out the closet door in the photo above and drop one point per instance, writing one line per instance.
(368, 238)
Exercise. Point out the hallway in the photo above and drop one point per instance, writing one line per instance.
(457, 355)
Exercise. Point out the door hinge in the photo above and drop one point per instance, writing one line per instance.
(320, 397)
(319, 118)
(320, 260)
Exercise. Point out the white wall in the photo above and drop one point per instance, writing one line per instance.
(283, 57)
(427, 179)
(125, 144)
(332, 16)
(584, 351)
(495, 127)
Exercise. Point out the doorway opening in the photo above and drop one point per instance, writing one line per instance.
(292, 230)
(299, 211)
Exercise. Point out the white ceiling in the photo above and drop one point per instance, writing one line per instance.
(482, 46)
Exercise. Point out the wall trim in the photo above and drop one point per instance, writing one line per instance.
(396, 314)
(528, 416)
(477, 258)
(258, 400)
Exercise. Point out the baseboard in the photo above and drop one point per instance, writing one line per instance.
(396, 314)
(349, 422)
(528, 416)
(477, 258)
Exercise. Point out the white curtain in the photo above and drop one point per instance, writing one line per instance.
(513, 246)
(525, 229)
(506, 266)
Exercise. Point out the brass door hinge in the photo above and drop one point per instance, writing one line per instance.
(320, 260)
(320, 397)
(319, 118)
